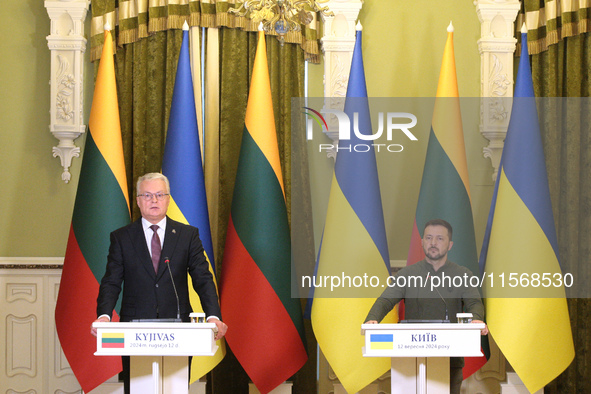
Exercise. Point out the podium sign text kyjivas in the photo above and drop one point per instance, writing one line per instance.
(162, 339)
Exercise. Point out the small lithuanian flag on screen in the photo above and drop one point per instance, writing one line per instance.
(113, 340)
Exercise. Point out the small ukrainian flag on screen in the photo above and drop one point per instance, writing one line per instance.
(381, 341)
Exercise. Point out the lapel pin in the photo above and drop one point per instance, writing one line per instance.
(173, 231)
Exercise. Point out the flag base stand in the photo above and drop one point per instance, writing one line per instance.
(197, 387)
(369, 389)
(111, 386)
(514, 385)
(283, 388)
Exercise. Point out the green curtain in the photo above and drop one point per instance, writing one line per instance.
(146, 61)
(550, 21)
(133, 20)
(561, 65)
(563, 69)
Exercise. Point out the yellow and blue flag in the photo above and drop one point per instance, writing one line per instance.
(183, 166)
(353, 244)
(533, 332)
(381, 342)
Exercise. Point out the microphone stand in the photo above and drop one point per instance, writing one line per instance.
(178, 304)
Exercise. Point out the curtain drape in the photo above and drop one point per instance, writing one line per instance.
(148, 45)
(560, 45)
(133, 20)
(550, 21)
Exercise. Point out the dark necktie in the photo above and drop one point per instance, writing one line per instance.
(156, 247)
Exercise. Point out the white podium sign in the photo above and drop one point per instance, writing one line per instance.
(155, 339)
(158, 351)
(422, 340)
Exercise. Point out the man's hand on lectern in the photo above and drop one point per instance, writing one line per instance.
(371, 322)
(484, 331)
(102, 319)
(221, 326)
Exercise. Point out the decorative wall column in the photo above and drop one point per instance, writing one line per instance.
(496, 46)
(67, 45)
(338, 43)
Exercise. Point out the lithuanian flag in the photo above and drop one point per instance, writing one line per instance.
(265, 327)
(445, 187)
(101, 206)
(114, 340)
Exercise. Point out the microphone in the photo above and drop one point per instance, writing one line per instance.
(442, 299)
(178, 304)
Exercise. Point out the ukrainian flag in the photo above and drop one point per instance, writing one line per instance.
(381, 341)
(354, 243)
(534, 334)
(183, 166)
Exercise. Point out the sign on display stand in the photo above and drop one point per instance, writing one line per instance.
(159, 351)
(420, 352)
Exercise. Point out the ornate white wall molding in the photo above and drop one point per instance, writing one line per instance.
(338, 43)
(67, 45)
(33, 361)
(497, 46)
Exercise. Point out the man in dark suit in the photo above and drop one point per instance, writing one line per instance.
(138, 257)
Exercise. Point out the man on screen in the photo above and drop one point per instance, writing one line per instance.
(140, 256)
(431, 302)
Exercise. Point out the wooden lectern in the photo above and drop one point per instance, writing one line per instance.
(159, 352)
(420, 352)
